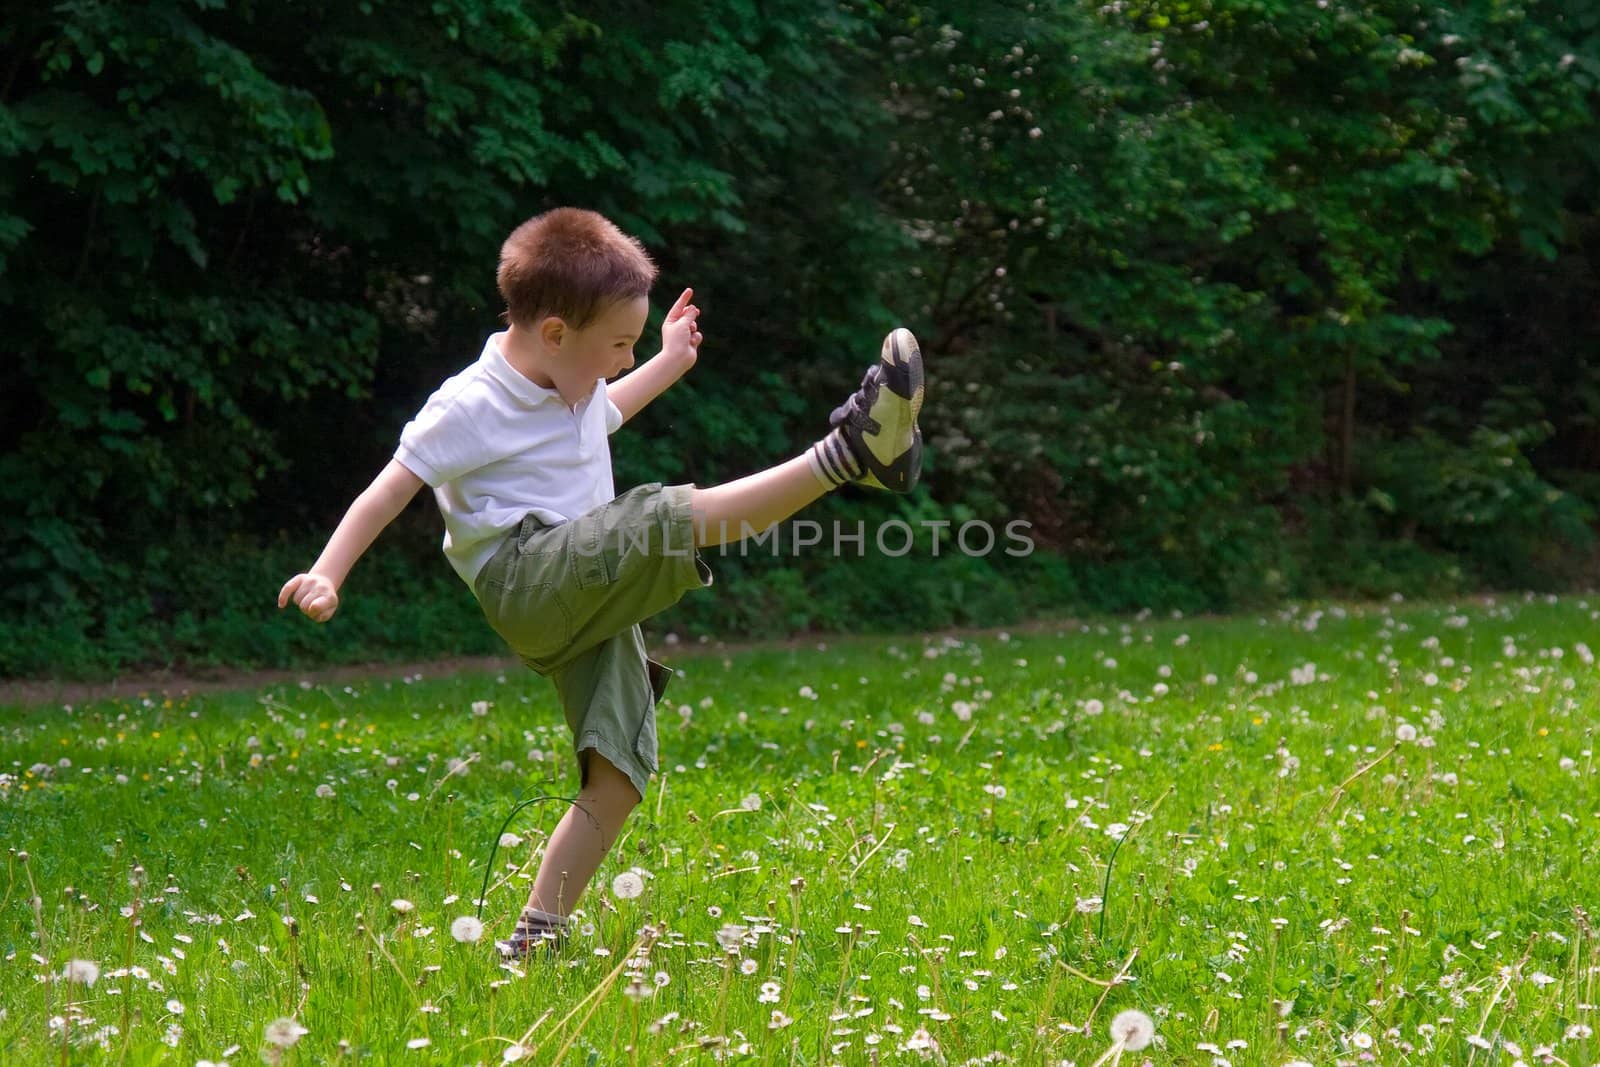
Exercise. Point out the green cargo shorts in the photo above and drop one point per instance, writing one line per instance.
(568, 599)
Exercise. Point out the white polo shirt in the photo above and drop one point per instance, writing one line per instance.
(494, 446)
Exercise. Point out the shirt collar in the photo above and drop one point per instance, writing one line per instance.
(522, 387)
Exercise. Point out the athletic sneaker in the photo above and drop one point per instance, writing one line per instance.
(876, 441)
(534, 930)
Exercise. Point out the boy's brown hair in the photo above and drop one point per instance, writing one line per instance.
(572, 264)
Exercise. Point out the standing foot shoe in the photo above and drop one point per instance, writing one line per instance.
(534, 930)
(879, 421)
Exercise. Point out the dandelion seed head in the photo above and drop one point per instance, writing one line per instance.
(1132, 1029)
(84, 972)
(283, 1032)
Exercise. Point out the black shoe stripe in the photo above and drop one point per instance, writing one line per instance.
(903, 472)
(843, 457)
(902, 375)
(825, 461)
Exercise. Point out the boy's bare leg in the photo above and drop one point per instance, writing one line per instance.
(874, 442)
(578, 844)
(756, 501)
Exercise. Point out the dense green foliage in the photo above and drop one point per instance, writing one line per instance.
(1231, 299)
(1310, 836)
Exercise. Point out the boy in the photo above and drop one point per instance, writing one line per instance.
(515, 449)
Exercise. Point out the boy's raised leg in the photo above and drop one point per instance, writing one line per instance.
(735, 510)
(875, 442)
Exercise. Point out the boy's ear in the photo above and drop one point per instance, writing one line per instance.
(551, 330)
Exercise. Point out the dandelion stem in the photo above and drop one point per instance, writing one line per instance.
(460, 768)
(844, 974)
(1049, 997)
(1070, 969)
(794, 947)
(449, 812)
(488, 869)
(1114, 1051)
(874, 851)
(1105, 884)
(1088, 1024)
(1105, 887)
(1338, 790)
(404, 981)
(605, 984)
(722, 994)
(127, 964)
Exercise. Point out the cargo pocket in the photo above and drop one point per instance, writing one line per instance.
(534, 623)
(592, 565)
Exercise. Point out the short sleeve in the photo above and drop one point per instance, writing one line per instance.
(441, 444)
(613, 413)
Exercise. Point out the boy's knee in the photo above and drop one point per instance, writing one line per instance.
(606, 782)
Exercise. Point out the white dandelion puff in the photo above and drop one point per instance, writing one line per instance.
(627, 886)
(284, 1032)
(1132, 1029)
(402, 905)
(466, 929)
(84, 972)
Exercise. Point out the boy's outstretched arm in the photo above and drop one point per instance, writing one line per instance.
(680, 344)
(316, 592)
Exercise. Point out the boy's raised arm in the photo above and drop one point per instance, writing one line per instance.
(680, 346)
(316, 592)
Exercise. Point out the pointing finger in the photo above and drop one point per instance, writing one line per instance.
(680, 304)
(288, 590)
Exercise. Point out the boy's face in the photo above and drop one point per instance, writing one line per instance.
(604, 348)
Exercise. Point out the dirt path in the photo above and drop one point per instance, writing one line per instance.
(44, 691)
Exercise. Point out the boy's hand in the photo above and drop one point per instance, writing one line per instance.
(315, 595)
(680, 333)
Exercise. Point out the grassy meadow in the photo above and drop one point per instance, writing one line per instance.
(1334, 834)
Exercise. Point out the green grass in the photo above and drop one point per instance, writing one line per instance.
(932, 851)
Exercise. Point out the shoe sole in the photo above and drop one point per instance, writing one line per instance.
(899, 402)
